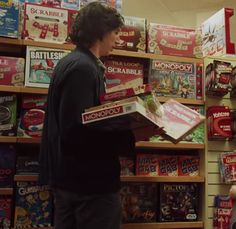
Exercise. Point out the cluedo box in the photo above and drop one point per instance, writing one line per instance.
(46, 24)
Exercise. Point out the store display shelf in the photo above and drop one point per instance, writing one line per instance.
(6, 191)
(114, 52)
(184, 101)
(197, 179)
(166, 225)
(6, 139)
(10, 41)
(26, 177)
(28, 140)
(168, 145)
(36, 90)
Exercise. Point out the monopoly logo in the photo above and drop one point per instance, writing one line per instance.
(180, 67)
(102, 113)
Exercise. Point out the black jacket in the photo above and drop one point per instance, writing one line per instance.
(73, 156)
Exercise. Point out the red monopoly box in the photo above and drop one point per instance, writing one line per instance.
(45, 24)
(173, 40)
(12, 71)
(133, 35)
(123, 73)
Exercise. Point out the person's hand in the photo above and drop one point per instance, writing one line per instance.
(144, 133)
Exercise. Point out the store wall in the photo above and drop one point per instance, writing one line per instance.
(186, 13)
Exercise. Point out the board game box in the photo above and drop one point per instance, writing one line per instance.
(176, 79)
(33, 205)
(176, 119)
(40, 63)
(138, 202)
(5, 211)
(178, 202)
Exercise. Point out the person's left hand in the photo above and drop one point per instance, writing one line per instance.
(232, 191)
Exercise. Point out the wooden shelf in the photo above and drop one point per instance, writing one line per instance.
(5, 139)
(166, 225)
(114, 52)
(184, 101)
(168, 145)
(10, 41)
(28, 140)
(6, 88)
(25, 177)
(34, 90)
(6, 191)
(196, 179)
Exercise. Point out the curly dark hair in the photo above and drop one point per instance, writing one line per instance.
(93, 22)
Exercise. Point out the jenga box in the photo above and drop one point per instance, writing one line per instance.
(146, 164)
(138, 202)
(173, 40)
(168, 165)
(40, 63)
(178, 202)
(219, 122)
(132, 35)
(175, 79)
(126, 166)
(12, 71)
(7, 165)
(188, 165)
(45, 24)
(5, 211)
(215, 32)
(9, 18)
(8, 108)
(33, 205)
(123, 73)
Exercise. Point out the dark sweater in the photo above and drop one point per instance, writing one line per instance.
(73, 156)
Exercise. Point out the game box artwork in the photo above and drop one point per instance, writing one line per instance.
(132, 36)
(176, 79)
(45, 24)
(8, 108)
(33, 205)
(126, 166)
(138, 202)
(7, 165)
(215, 32)
(174, 40)
(117, 4)
(5, 211)
(40, 63)
(178, 202)
(12, 71)
(123, 73)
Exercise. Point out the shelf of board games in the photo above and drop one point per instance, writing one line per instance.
(6, 191)
(141, 144)
(185, 179)
(19, 42)
(36, 90)
(166, 225)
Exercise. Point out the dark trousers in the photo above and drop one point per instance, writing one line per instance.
(76, 211)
